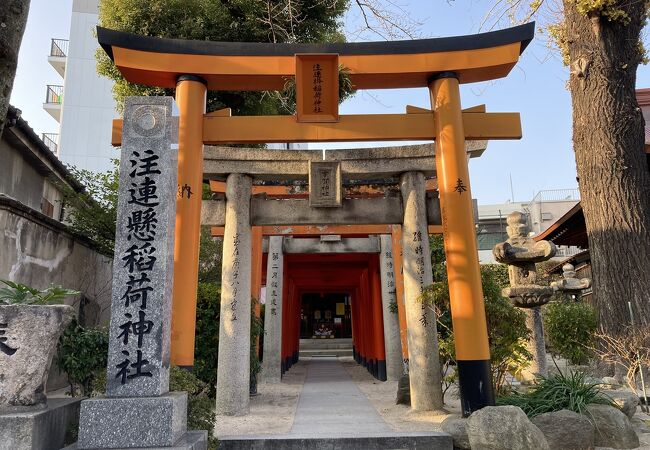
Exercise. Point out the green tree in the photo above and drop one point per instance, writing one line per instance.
(93, 211)
(600, 42)
(232, 21)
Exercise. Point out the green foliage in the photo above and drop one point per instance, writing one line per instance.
(570, 328)
(200, 401)
(507, 331)
(207, 333)
(436, 246)
(607, 9)
(257, 328)
(82, 355)
(210, 251)
(93, 212)
(21, 294)
(555, 393)
(498, 273)
(232, 21)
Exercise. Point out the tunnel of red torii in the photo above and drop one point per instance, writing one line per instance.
(384, 190)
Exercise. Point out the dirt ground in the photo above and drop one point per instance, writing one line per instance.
(272, 411)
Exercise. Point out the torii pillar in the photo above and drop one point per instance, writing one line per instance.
(463, 270)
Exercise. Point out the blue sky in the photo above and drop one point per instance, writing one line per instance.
(536, 88)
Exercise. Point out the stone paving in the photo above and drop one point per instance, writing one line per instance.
(331, 403)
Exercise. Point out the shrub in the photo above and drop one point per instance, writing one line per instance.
(507, 331)
(82, 355)
(207, 333)
(200, 404)
(257, 329)
(555, 393)
(570, 328)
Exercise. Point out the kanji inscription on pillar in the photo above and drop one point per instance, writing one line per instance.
(138, 360)
(325, 184)
(317, 87)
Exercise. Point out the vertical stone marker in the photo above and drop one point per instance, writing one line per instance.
(424, 365)
(139, 410)
(233, 371)
(394, 362)
(272, 364)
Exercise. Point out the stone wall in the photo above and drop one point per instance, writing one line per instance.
(38, 251)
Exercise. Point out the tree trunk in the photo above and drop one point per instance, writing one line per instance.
(13, 17)
(608, 140)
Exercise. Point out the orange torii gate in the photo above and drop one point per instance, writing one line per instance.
(193, 67)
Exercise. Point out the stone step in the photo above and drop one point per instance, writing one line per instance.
(322, 353)
(313, 344)
(381, 441)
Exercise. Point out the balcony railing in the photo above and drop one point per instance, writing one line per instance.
(50, 139)
(59, 48)
(54, 94)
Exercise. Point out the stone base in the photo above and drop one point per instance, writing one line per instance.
(402, 441)
(192, 440)
(39, 429)
(132, 422)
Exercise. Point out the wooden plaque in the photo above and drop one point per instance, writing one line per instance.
(317, 87)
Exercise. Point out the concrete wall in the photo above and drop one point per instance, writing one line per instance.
(38, 251)
(18, 179)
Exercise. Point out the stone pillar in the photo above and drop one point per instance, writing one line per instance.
(233, 373)
(394, 363)
(424, 364)
(138, 410)
(536, 344)
(272, 363)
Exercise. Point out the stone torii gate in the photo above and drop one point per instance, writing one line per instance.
(380, 191)
(193, 67)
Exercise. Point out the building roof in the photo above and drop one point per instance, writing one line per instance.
(570, 229)
(39, 154)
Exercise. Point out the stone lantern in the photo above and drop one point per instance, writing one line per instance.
(570, 284)
(521, 253)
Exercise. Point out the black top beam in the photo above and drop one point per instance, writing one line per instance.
(109, 38)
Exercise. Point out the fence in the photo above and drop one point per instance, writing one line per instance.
(54, 94)
(50, 139)
(59, 47)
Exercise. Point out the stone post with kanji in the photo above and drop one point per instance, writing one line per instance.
(272, 363)
(424, 363)
(394, 362)
(138, 409)
(233, 371)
